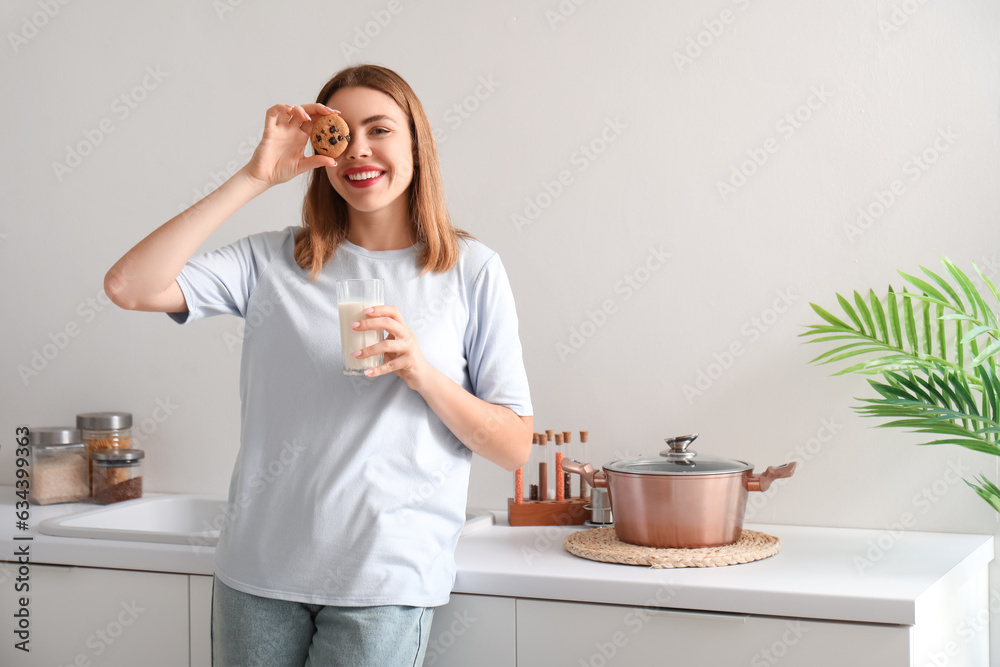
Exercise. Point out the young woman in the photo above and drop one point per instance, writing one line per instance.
(341, 555)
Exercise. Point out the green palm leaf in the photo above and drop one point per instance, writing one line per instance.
(944, 388)
(829, 318)
(866, 314)
(846, 305)
(853, 352)
(989, 283)
(991, 392)
(910, 324)
(894, 319)
(948, 289)
(942, 338)
(926, 288)
(977, 331)
(879, 314)
(989, 352)
(988, 491)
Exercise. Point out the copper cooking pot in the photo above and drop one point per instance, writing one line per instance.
(679, 500)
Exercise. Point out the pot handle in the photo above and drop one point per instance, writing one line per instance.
(763, 481)
(594, 477)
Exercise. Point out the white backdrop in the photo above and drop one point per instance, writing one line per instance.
(670, 184)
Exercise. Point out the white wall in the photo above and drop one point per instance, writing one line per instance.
(166, 99)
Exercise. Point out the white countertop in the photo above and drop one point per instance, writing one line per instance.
(819, 573)
(831, 573)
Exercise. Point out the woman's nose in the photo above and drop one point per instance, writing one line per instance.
(358, 148)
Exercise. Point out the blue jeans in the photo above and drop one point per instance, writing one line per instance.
(248, 630)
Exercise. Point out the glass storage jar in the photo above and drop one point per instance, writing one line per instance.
(60, 466)
(117, 475)
(105, 430)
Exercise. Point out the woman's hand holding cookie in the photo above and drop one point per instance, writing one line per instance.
(280, 155)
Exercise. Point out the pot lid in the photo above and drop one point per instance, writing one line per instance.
(679, 460)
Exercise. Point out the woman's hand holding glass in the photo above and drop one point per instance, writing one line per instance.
(400, 347)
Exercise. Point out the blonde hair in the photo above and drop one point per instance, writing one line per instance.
(324, 211)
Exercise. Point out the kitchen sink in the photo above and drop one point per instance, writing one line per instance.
(172, 519)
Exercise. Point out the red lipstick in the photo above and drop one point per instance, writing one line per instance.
(364, 177)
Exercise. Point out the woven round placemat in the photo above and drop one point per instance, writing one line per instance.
(603, 545)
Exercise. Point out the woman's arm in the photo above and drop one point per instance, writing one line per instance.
(145, 277)
(494, 432)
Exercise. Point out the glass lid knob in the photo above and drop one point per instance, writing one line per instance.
(679, 447)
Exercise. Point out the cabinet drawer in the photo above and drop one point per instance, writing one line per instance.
(473, 630)
(591, 635)
(87, 617)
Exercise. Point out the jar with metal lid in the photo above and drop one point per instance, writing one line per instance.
(105, 430)
(117, 475)
(60, 466)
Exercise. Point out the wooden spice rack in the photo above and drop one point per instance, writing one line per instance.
(569, 512)
(537, 507)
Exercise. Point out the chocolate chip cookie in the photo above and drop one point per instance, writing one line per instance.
(330, 135)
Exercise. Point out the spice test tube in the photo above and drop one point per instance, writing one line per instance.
(559, 482)
(567, 478)
(584, 456)
(543, 470)
(533, 470)
(519, 485)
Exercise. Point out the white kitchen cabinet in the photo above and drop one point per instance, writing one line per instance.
(85, 617)
(201, 620)
(507, 632)
(592, 635)
(473, 630)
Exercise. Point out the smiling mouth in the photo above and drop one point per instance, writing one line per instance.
(364, 175)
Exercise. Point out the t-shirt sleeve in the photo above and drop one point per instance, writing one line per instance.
(496, 364)
(220, 282)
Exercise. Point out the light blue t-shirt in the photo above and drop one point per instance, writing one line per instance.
(349, 490)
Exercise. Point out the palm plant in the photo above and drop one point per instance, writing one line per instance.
(934, 351)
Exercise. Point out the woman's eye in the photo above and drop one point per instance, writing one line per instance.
(379, 130)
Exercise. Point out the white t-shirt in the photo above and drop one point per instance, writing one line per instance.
(349, 490)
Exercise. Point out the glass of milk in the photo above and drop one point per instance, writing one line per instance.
(353, 297)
